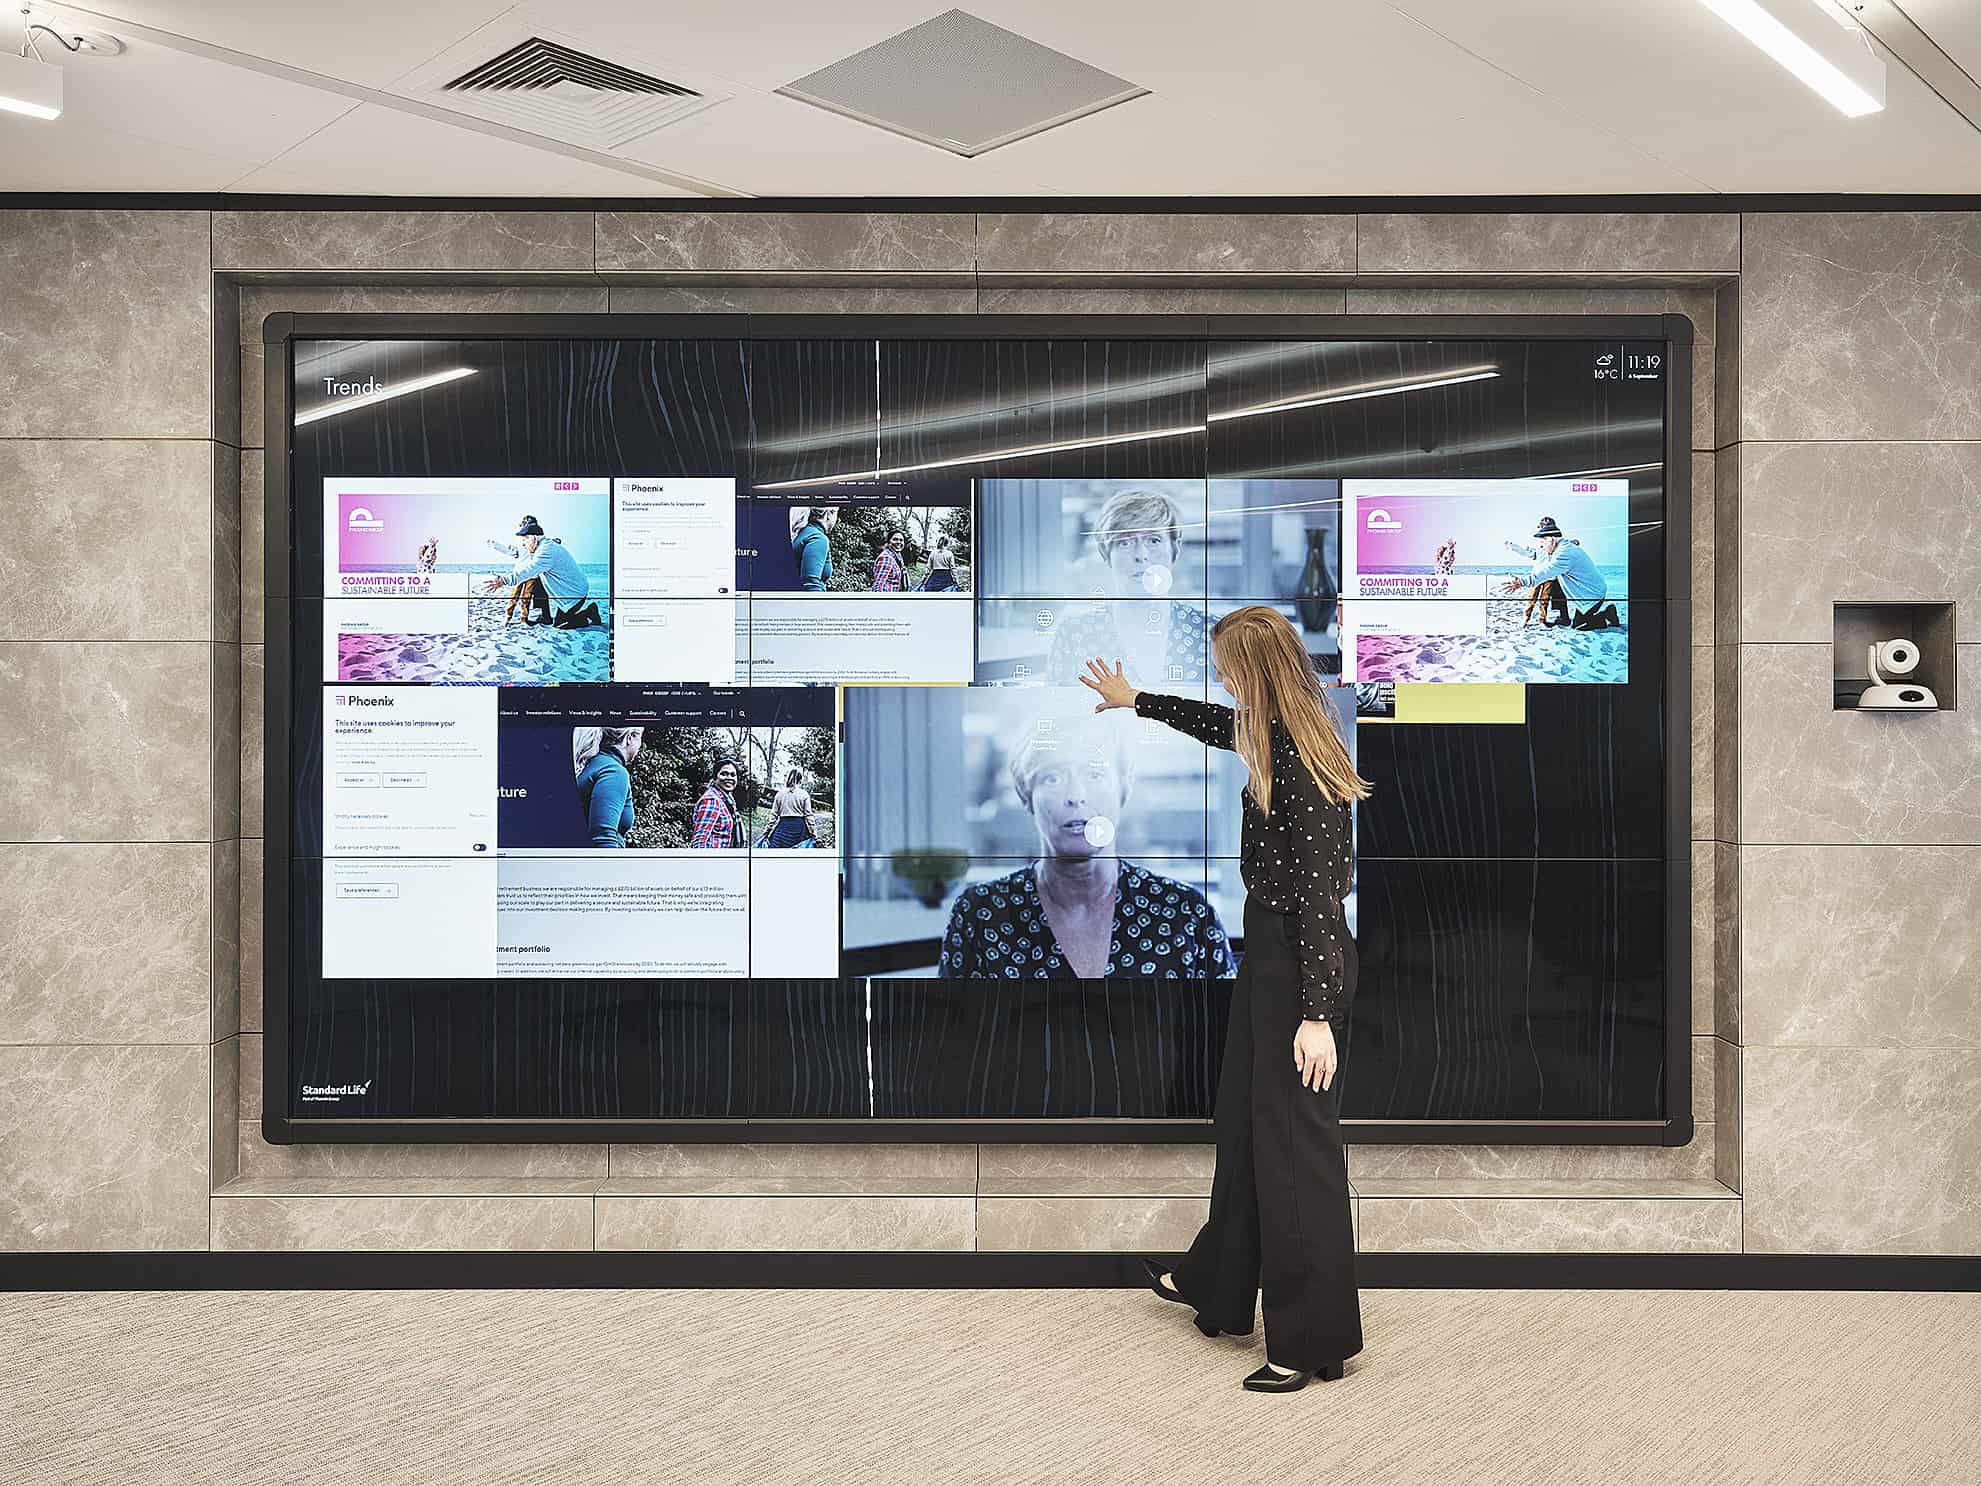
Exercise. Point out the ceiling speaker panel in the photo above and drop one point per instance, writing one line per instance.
(962, 84)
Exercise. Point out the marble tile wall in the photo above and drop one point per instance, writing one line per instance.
(1457, 1221)
(630, 1219)
(118, 963)
(1835, 377)
(506, 1221)
(1862, 1150)
(103, 1147)
(1605, 243)
(1171, 243)
(1860, 325)
(1848, 925)
(453, 241)
(699, 243)
(107, 321)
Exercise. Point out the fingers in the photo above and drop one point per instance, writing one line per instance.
(1317, 1069)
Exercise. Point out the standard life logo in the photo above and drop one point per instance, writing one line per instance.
(324, 1093)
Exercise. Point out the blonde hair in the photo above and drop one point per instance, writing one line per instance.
(1270, 673)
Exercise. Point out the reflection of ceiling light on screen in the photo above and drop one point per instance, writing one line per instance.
(1025, 453)
(398, 389)
(1355, 394)
(1818, 43)
(1347, 394)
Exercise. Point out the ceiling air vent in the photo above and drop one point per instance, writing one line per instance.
(962, 84)
(546, 87)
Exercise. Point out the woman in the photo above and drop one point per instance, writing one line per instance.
(942, 568)
(811, 547)
(793, 811)
(1080, 911)
(1138, 535)
(718, 824)
(1279, 1215)
(603, 760)
(889, 568)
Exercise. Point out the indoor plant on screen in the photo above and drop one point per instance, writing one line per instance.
(929, 874)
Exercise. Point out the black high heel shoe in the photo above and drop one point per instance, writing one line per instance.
(1171, 1293)
(1269, 1379)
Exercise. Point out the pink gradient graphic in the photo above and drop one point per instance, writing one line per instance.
(403, 523)
(1413, 543)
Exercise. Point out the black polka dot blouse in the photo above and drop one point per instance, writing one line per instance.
(1163, 929)
(1298, 862)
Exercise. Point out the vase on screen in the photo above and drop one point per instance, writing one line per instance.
(1314, 597)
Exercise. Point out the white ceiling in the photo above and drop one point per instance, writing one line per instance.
(1271, 97)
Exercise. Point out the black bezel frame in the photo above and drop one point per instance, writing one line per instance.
(281, 330)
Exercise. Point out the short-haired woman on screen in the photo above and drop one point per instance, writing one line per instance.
(1080, 912)
(603, 760)
(1138, 534)
(1280, 1218)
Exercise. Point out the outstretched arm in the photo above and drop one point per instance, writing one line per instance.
(1205, 721)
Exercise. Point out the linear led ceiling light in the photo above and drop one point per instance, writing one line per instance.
(33, 87)
(1346, 394)
(1819, 42)
(384, 394)
(30, 86)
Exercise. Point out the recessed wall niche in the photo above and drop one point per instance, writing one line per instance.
(1860, 625)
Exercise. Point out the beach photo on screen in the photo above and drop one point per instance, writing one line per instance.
(498, 581)
(1486, 580)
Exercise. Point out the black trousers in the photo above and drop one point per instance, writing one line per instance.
(1280, 1219)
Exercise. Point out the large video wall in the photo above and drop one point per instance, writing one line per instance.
(674, 727)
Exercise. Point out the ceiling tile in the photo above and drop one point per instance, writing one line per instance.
(67, 155)
(360, 41)
(379, 151)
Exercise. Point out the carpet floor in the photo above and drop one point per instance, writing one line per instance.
(925, 1387)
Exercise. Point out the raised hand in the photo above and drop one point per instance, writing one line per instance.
(1111, 684)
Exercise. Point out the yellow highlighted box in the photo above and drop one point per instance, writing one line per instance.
(1461, 701)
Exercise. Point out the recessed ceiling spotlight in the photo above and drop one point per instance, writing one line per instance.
(1817, 40)
(31, 86)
